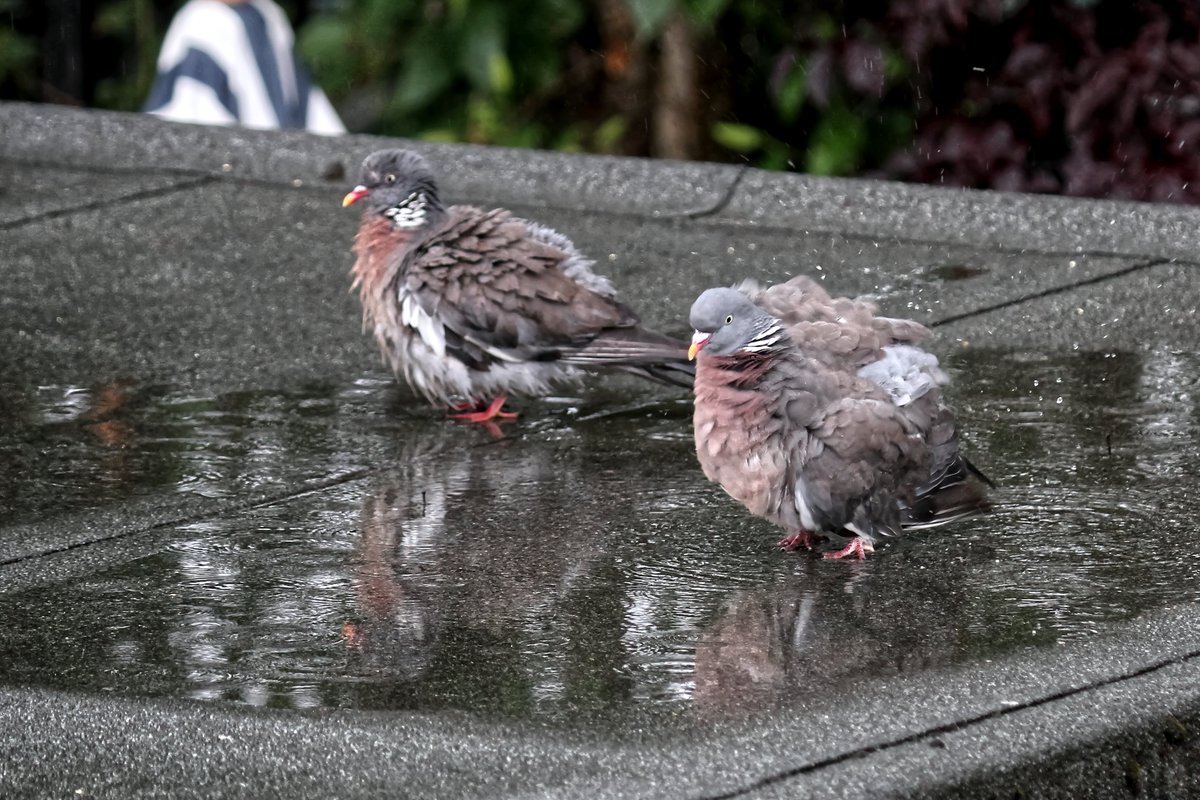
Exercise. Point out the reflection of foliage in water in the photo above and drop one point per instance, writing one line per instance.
(68, 448)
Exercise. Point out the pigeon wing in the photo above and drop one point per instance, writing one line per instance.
(499, 293)
(860, 455)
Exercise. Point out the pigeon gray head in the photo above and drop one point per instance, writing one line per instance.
(399, 185)
(727, 322)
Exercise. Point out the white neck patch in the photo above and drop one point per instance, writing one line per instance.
(410, 213)
(765, 340)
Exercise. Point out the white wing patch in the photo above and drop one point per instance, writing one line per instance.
(432, 333)
(803, 509)
(503, 355)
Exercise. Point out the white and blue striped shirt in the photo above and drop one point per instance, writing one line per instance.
(234, 64)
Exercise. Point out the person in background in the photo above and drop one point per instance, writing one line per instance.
(232, 62)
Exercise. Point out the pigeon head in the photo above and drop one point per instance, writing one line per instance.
(727, 322)
(399, 185)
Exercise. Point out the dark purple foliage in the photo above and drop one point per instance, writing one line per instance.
(1051, 96)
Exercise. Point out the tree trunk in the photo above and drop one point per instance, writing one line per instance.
(677, 120)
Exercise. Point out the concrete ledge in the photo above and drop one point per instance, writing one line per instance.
(1093, 726)
(1113, 715)
(54, 135)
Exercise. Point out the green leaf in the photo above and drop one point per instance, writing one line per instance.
(426, 74)
(837, 144)
(825, 28)
(792, 93)
(323, 44)
(895, 66)
(114, 19)
(650, 15)
(775, 156)
(608, 135)
(459, 9)
(705, 12)
(737, 137)
(500, 74)
(17, 54)
(482, 55)
(440, 135)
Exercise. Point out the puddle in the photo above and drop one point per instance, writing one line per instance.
(955, 272)
(583, 571)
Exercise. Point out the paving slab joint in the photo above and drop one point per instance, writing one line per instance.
(107, 202)
(1056, 290)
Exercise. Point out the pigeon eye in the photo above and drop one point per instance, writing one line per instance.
(729, 320)
(389, 178)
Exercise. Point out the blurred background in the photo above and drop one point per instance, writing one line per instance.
(1095, 98)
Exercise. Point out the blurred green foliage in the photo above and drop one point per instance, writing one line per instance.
(18, 52)
(576, 75)
(1011, 94)
(469, 70)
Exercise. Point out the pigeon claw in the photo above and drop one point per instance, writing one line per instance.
(493, 411)
(857, 547)
(794, 541)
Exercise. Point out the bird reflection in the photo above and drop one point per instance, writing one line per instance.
(456, 563)
(819, 632)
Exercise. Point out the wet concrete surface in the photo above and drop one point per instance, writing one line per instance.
(211, 492)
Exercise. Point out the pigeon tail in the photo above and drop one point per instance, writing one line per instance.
(669, 374)
(638, 351)
(957, 492)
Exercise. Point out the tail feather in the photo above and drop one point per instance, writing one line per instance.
(957, 492)
(671, 374)
(638, 351)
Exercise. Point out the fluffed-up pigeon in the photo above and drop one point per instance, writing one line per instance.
(824, 418)
(470, 305)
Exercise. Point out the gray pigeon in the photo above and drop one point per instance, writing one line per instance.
(470, 306)
(824, 418)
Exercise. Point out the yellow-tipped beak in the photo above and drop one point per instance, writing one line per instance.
(699, 339)
(356, 194)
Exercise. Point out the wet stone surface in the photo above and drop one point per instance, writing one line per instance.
(579, 570)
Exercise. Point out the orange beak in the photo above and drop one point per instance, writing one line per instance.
(356, 194)
(699, 339)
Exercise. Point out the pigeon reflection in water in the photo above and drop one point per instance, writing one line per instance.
(460, 558)
(815, 636)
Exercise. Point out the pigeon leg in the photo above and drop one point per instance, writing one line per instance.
(794, 541)
(857, 547)
(488, 414)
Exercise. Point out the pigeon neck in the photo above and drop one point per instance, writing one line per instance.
(418, 210)
(376, 245)
(739, 368)
(770, 339)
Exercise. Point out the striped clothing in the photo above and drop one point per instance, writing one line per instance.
(234, 64)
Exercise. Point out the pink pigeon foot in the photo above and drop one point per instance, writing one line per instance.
(484, 415)
(857, 547)
(794, 541)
